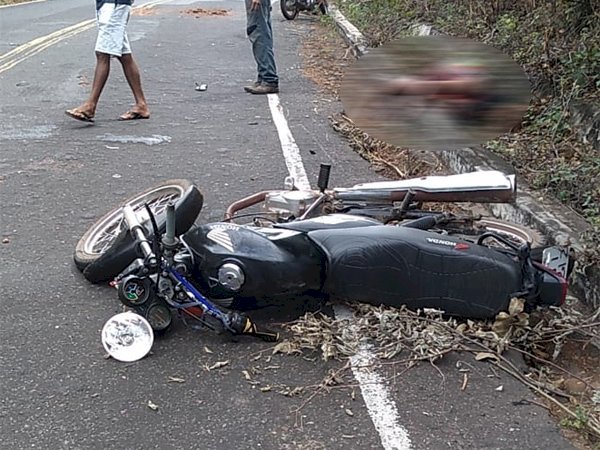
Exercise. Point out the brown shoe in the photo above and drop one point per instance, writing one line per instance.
(263, 88)
(252, 86)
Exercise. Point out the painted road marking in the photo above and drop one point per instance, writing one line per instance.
(291, 152)
(21, 53)
(22, 3)
(380, 405)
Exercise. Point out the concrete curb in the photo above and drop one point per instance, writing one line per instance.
(560, 224)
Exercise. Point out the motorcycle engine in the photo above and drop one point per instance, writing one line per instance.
(289, 203)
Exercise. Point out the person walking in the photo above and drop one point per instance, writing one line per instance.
(112, 17)
(260, 34)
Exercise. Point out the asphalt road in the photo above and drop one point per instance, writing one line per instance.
(57, 175)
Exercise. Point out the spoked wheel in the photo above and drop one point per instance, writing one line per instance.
(102, 238)
(516, 234)
(289, 9)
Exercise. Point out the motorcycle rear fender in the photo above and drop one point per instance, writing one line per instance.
(124, 250)
(405, 266)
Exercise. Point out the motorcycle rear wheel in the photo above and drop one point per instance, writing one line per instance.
(289, 9)
(100, 239)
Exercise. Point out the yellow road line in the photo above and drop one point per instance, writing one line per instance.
(35, 46)
(22, 3)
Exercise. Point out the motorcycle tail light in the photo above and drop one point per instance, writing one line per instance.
(553, 287)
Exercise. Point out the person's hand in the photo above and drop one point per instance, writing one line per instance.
(255, 5)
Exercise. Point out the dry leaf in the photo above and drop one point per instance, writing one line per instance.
(176, 380)
(462, 328)
(516, 306)
(208, 350)
(349, 412)
(265, 388)
(218, 365)
(286, 347)
(246, 375)
(486, 355)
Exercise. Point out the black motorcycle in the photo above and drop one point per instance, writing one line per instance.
(372, 243)
(291, 8)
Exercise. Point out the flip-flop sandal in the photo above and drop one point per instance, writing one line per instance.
(79, 115)
(133, 115)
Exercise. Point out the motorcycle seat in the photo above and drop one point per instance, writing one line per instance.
(405, 266)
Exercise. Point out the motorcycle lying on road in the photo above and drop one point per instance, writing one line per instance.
(373, 242)
(291, 8)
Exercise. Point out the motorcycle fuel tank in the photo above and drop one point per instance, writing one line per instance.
(235, 260)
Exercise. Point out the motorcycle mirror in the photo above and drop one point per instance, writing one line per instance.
(127, 337)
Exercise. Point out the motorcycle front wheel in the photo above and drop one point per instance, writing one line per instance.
(107, 248)
(289, 9)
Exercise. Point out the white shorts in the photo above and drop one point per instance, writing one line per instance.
(112, 29)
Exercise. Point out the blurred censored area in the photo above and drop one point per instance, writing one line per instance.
(435, 93)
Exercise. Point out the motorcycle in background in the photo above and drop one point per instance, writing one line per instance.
(291, 8)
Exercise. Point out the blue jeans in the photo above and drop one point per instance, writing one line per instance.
(260, 33)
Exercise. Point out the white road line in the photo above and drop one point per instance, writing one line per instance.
(22, 3)
(291, 152)
(381, 407)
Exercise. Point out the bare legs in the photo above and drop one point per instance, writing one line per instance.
(132, 74)
(87, 109)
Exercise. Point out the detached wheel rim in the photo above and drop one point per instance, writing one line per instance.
(105, 233)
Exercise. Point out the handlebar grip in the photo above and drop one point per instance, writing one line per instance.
(170, 228)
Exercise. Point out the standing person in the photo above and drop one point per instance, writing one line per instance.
(260, 33)
(112, 17)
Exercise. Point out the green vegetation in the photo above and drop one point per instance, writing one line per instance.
(557, 42)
